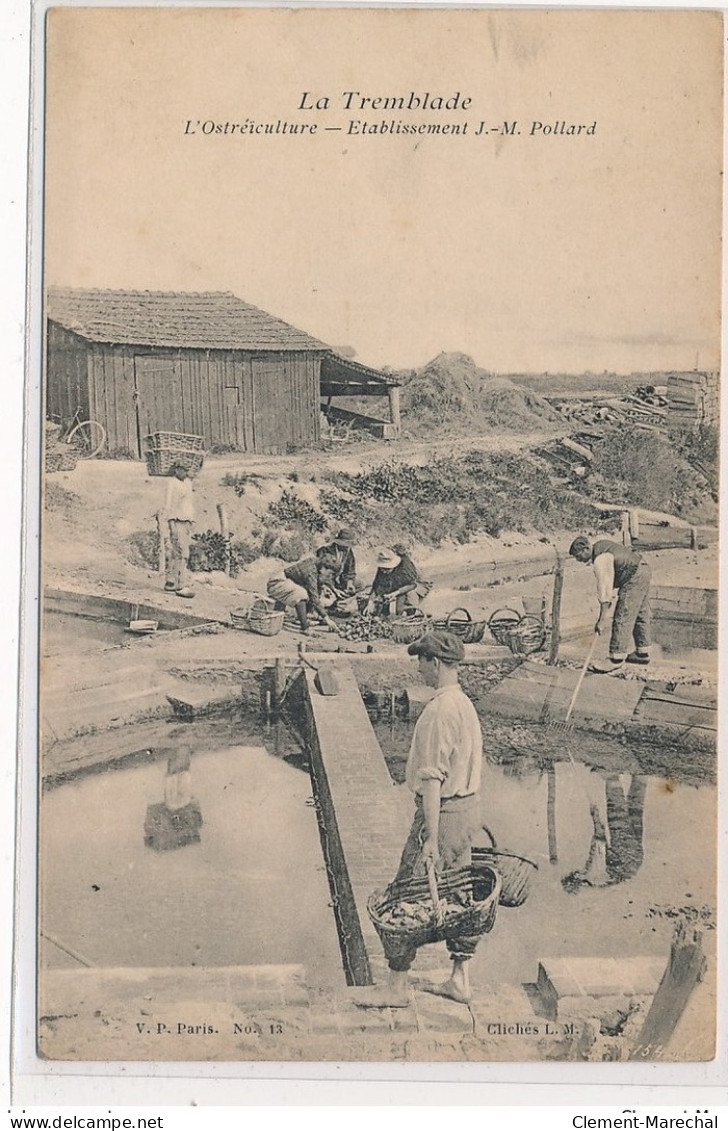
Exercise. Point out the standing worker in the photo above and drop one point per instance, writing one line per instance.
(179, 515)
(621, 568)
(443, 771)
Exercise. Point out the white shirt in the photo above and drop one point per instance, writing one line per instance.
(604, 572)
(447, 745)
(179, 503)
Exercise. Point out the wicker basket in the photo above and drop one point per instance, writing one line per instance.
(529, 635)
(409, 626)
(178, 441)
(161, 461)
(166, 450)
(61, 461)
(501, 623)
(516, 872)
(470, 631)
(261, 617)
(482, 883)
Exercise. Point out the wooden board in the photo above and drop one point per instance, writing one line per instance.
(535, 692)
(684, 601)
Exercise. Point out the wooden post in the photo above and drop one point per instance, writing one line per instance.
(224, 531)
(556, 609)
(634, 525)
(279, 682)
(551, 813)
(684, 970)
(394, 412)
(161, 555)
(626, 536)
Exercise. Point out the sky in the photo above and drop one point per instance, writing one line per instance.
(531, 252)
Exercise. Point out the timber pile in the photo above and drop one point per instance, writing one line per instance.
(647, 408)
(692, 400)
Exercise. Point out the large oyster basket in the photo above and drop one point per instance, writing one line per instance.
(481, 882)
(515, 871)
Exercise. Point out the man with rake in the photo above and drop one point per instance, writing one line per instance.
(623, 569)
(443, 771)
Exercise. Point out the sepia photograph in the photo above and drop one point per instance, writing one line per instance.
(379, 394)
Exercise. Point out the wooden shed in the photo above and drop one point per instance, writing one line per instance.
(209, 364)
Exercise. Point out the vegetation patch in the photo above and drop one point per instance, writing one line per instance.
(645, 469)
(456, 498)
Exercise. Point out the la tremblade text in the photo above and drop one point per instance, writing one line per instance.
(412, 101)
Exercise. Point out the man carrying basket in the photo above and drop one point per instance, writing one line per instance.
(443, 771)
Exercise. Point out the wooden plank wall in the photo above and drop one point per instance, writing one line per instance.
(67, 386)
(262, 403)
(111, 388)
(285, 401)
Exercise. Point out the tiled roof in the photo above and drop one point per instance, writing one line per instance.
(208, 320)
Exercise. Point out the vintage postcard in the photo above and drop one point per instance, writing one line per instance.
(378, 435)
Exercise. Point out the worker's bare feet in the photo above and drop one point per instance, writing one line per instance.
(381, 997)
(396, 994)
(450, 989)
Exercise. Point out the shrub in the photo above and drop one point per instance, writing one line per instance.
(238, 482)
(245, 552)
(291, 511)
(644, 469)
(57, 498)
(289, 547)
(212, 551)
(143, 548)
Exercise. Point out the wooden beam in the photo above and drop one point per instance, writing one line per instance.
(394, 408)
(685, 969)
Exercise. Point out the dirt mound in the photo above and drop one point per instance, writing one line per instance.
(452, 389)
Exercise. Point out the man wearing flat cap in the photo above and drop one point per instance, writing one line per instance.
(443, 771)
(620, 568)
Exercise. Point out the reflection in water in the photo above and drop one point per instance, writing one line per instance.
(251, 891)
(176, 821)
(616, 852)
(540, 809)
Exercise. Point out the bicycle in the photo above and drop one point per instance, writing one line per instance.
(87, 436)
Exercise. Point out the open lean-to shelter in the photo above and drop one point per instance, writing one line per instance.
(209, 364)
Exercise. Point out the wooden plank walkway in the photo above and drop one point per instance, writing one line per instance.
(366, 817)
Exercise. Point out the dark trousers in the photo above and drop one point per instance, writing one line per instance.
(625, 818)
(632, 614)
(459, 823)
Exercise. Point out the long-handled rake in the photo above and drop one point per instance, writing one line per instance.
(564, 725)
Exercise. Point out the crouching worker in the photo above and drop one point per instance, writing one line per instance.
(299, 586)
(395, 584)
(443, 771)
(621, 568)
